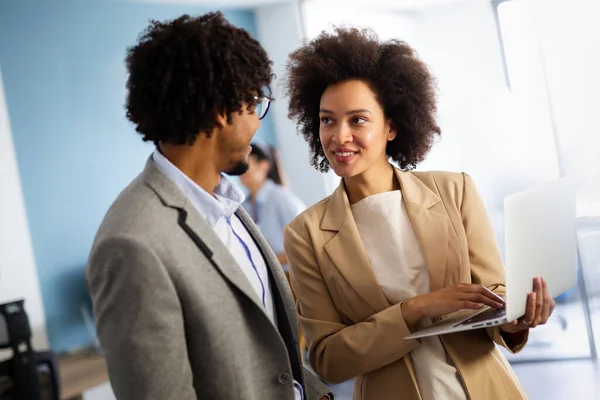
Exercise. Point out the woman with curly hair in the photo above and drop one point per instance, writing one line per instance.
(392, 250)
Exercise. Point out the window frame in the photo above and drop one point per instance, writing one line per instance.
(495, 5)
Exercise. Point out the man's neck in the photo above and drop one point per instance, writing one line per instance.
(187, 159)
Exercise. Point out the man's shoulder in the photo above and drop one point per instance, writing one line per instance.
(136, 212)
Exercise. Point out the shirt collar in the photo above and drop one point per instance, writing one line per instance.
(227, 198)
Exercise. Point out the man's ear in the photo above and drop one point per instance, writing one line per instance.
(221, 119)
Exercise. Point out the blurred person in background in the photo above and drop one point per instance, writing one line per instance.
(271, 205)
(392, 250)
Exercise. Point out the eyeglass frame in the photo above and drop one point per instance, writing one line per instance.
(260, 100)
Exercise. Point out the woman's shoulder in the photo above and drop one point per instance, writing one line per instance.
(452, 187)
(446, 181)
(444, 177)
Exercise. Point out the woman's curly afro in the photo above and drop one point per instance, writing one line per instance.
(402, 83)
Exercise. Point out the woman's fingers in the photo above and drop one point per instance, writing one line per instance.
(530, 310)
(539, 301)
(480, 298)
(469, 305)
(474, 288)
(546, 309)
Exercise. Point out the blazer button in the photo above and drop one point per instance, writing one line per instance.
(284, 378)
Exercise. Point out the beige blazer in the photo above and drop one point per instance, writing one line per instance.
(353, 331)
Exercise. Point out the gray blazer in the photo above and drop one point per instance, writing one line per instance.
(176, 315)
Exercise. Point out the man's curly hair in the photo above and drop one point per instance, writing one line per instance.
(184, 72)
(402, 84)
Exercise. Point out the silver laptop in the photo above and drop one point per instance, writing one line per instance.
(540, 240)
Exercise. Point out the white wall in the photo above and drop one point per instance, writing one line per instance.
(507, 139)
(570, 39)
(323, 15)
(280, 31)
(486, 130)
(18, 273)
(498, 137)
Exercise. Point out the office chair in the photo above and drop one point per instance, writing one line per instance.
(28, 375)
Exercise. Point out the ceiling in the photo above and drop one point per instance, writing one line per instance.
(219, 3)
(391, 4)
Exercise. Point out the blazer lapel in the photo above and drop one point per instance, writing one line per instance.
(430, 225)
(214, 249)
(199, 231)
(347, 251)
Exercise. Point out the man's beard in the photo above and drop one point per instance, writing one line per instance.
(238, 169)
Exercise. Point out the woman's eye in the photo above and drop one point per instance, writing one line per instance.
(358, 120)
(325, 120)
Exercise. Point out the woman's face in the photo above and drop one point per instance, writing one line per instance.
(353, 129)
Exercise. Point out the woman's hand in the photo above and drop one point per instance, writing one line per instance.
(540, 306)
(459, 296)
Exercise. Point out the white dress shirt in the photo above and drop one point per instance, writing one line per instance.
(219, 212)
(399, 265)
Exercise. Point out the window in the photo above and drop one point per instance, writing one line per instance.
(549, 54)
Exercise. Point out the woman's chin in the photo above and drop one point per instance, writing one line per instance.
(344, 171)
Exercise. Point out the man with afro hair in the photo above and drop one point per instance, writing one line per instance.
(190, 301)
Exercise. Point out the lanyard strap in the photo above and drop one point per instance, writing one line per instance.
(249, 255)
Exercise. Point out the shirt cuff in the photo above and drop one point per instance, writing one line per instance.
(298, 392)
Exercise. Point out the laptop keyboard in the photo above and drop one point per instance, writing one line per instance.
(487, 315)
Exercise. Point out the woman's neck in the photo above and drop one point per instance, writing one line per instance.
(377, 179)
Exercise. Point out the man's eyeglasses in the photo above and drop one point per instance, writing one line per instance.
(262, 106)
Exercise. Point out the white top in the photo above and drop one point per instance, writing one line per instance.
(399, 266)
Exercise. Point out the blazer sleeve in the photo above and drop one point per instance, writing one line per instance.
(316, 389)
(139, 322)
(338, 351)
(484, 256)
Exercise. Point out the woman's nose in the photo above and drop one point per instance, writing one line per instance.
(342, 134)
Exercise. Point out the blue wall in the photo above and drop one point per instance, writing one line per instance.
(64, 77)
